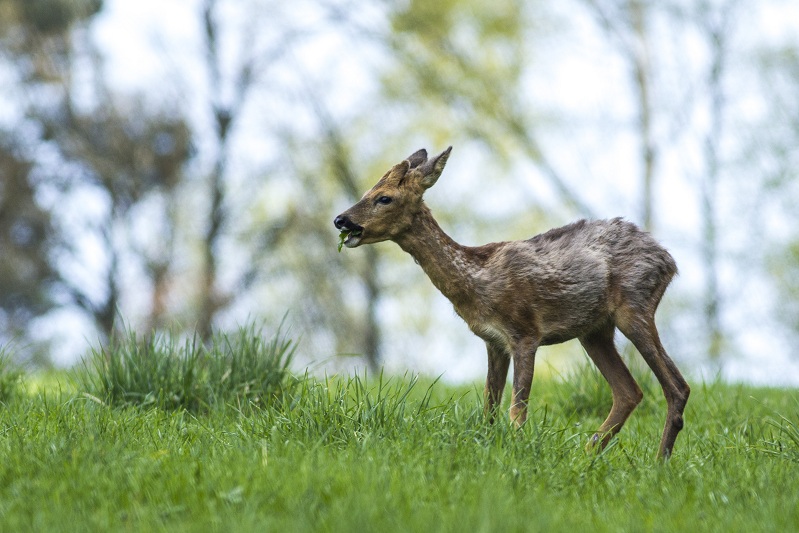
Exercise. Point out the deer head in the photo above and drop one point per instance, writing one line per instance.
(388, 209)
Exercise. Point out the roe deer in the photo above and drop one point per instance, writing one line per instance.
(580, 281)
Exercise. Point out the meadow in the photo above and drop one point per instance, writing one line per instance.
(168, 435)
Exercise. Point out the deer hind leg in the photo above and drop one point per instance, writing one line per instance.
(643, 333)
(498, 363)
(626, 392)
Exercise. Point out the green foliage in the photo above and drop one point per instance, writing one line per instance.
(160, 370)
(464, 59)
(47, 16)
(10, 377)
(54, 16)
(784, 269)
(588, 393)
(355, 409)
(788, 446)
(341, 238)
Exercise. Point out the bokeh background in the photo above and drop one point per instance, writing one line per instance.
(177, 165)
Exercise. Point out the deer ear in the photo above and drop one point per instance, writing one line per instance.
(395, 175)
(398, 171)
(432, 169)
(417, 158)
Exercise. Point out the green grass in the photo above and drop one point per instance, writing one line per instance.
(161, 370)
(399, 454)
(10, 376)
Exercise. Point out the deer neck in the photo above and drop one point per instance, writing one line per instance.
(449, 265)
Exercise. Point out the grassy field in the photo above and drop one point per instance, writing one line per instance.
(349, 454)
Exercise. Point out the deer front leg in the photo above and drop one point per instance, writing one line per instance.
(523, 364)
(498, 363)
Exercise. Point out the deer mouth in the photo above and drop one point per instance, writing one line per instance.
(350, 238)
(351, 233)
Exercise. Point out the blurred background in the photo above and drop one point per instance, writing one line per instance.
(177, 165)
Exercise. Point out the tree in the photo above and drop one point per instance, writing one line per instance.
(107, 151)
(665, 117)
(33, 38)
(284, 253)
(472, 86)
(129, 157)
(626, 23)
(230, 87)
(342, 168)
(716, 25)
(771, 153)
(26, 276)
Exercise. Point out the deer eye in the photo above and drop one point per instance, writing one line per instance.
(384, 200)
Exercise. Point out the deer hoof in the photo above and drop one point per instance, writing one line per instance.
(593, 442)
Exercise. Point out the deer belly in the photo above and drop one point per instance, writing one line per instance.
(562, 324)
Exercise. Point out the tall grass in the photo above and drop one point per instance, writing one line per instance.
(10, 376)
(342, 410)
(587, 393)
(787, 447)
(171, 373)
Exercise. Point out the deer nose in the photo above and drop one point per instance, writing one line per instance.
(342, 222)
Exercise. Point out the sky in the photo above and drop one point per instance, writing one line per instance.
(152, 42)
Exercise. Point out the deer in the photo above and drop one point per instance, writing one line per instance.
(583, 280)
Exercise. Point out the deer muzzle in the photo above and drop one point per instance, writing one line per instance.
(350, 231)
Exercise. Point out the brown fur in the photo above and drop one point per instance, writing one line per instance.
(581, 281)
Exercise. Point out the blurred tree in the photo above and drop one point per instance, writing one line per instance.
(461, 65)
(772, 154)
(715, 22)
(626, 23)
(661, 119)
(230, 84)
(355, 326)
(98, 158)
(26, 276)
(34, 35)
(271, 233)
(225, 113)
(132, 159)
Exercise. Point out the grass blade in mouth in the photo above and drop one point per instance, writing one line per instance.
(346, 233)
(341, 238)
